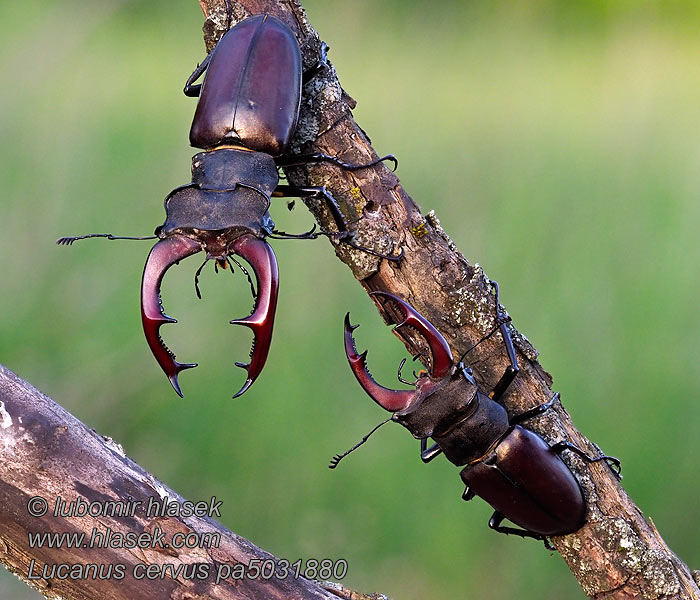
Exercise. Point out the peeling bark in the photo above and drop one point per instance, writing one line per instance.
(618, 554)
(47, 452)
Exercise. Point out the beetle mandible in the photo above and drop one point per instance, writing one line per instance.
(513, 469)
(245, 119)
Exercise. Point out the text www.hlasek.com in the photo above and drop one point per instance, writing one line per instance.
(130, 540)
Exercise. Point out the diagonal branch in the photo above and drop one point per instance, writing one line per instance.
(48, 453)
(618, 553)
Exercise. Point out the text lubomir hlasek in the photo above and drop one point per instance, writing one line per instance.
(155, 506)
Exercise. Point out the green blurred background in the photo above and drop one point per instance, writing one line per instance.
(559, 146)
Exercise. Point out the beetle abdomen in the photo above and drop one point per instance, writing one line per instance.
(529, 484)
(252, 88)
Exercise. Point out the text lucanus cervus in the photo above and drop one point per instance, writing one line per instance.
(245, 119)
(513, 469)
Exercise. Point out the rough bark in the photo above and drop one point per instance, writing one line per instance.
(618, 553)
(48, 453)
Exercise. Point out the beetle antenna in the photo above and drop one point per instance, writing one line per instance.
(245, 272)
(401, 365)
(338, 457)
(401, 379)
(68, 241)
(196, 278)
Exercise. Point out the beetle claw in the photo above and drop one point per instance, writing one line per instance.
(171, 250)
(162, 256)
(261, 257)
(391, 400)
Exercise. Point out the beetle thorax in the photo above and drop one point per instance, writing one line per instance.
(229, 196)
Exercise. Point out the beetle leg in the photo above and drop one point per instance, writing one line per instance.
(495, 524)
(319, 193)
(612, 462)
(512, 369)
(440, 349)
(296, 160)
(533, 412)
(468, 494)
(260, 256)
(502, 320)
(428, 454)
(164, 254)
(311, 234)
(342, 235)
(321, 64)
(391, 400)
(191, 89)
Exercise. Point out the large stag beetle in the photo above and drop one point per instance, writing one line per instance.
(245, 118)
(513, 469)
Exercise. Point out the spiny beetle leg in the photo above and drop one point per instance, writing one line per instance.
(164, 254)
(297, 160)
(343, 235)
(513, 369)
(534, 412)
(611, 461)
(260, 256)
(318, 192)
(495, 524)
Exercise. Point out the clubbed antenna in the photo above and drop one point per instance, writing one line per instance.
(338, 457)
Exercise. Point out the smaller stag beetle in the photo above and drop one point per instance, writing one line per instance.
(513, 469)
(245, 118)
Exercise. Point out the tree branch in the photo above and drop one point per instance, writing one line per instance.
(48, 453)
(618, 553)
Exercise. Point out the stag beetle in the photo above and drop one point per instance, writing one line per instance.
(513, 469)
(245, 118)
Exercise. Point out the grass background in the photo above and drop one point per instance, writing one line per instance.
(561, 149)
